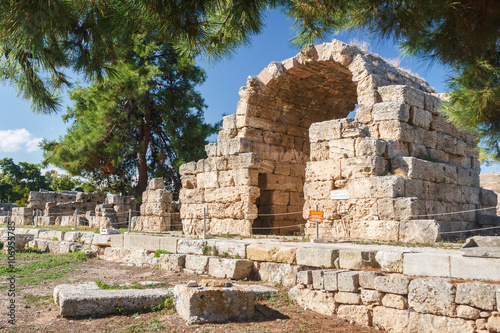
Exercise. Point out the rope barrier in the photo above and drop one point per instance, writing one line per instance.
(459, 212)
(470, 230)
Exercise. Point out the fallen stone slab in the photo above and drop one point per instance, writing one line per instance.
(482, 241)
(213, 301)
(481, 252)
(88, 299)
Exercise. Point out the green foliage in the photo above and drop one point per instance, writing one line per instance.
(18, 180)
(237, 256)
(147, 121)
(205, 250)
(215, 251)
(133, 285)
(158, 252)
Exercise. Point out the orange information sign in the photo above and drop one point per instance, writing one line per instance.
(316, 216)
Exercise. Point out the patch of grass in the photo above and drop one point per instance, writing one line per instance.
(133, 285)
(215, 251)
(237, 256)
(137, 327)
(55, 239)
(205, 250)
(32, 250)
(44, 266)
(225, 255)
(158, 252)
(35, 298)
(167, 306)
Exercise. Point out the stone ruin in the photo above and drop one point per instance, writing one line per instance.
(158, 210)
(58, 208)
(290, 146)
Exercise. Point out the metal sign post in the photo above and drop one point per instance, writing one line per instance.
(316, 216)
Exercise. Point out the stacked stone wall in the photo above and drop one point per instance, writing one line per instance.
(113, 213)
(157, 209)
(403, 165)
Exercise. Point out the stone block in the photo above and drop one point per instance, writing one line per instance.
(402, 94)
(318, 301)
(420, 117)
(371, 297)
(168, 244)
(284, 274)
(494, 323)
(391, 320)
(348, 281)
(432, 295)
(343, 297)
(360, 314)
(471, 268)
(391, 111)
(102, 240)
(357, 259)
(316, 257)
(477, 294)
(330, 279)
(196, 264)
(467, 312)
(172, 262)
(394, 284)
(272, 253)
(230, 268)
(376, 187)
(232, 248)
(304, 277)
(395, 301)
(317, 280)
(82, 300)
(419, 231)
(117, 241)
(417, 264)
(390, 261)
(367, 279)
(190, 246)
(207, 304)
(141, 242)
(428, 323)
(370, 147)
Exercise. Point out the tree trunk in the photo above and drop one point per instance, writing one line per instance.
(142, 163)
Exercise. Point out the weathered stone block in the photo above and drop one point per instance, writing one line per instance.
(284, 274)
(391, 111)
(390, 261)
(357, 259)
(348, 281)
(360, 314)
(304, 277)
(213, 304)
(395, 301)
(477, 294)
(273, 253)
(391, 320)
(172, 262)
(371, 297)
(367, 279)
(417, 264)
(321, 302)
(394, 284)
(347, 298)
(467, 312)
(196, 264)
(428, 323)
(317, 280)
(190, 246)
(316, 257)
(230, 268)
(435, 296)
(419, 231)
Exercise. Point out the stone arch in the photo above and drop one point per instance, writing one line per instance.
(290, 134)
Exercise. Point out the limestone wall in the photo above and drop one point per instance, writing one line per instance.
(113, 213)
(156, 208)
(289, 145)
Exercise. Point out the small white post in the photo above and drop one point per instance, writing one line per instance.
(76, 216)
(129, 219)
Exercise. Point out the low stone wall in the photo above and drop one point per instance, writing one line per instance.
(397, 303)
(394, 288)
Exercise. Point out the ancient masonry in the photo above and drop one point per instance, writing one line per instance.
(158, 211)
(290, 144)
(58, 208)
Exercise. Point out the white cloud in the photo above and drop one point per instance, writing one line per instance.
(18, 139)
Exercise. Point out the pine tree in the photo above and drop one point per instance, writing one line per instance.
(145, 121)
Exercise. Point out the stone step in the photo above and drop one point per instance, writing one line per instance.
(88, 299)
(482, 252)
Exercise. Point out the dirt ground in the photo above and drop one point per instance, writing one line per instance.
(36, 312)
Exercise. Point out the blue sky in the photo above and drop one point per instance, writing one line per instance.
(21, 129)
